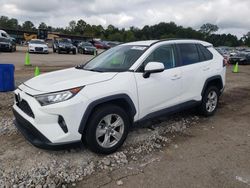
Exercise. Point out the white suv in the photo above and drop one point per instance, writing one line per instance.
(130, 83)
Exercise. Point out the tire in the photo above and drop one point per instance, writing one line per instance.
(74, 52)
(59, 51)
(98, 125)
(54, 50)
(208, 108)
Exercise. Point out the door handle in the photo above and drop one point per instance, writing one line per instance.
(176, 77)
(206, 68)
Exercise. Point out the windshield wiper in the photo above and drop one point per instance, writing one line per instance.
(94, 70)
(81, 66)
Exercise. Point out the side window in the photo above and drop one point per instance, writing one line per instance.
(189, 54)
(207, 55)
(164, 54)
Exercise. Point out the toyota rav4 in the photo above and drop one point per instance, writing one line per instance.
(98, 102)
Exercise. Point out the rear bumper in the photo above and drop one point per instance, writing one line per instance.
(36, 138)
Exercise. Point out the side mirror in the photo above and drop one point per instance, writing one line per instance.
(153, 67)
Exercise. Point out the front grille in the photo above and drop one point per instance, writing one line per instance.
(24, 106)
(39, 49)
(4, 45)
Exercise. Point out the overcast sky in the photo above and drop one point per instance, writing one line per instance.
(232, 16)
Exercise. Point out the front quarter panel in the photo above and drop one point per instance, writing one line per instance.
(122, 83)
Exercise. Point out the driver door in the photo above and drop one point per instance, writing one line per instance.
(160, 90)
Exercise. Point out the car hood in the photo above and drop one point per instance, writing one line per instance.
(66, 79)
(65, 44)
(89, 47)
(38, 45)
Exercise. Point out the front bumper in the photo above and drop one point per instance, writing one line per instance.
(36, 138)
(66, 49)
(43, 50)
(5, 48)
(89, 51)
(42, 126)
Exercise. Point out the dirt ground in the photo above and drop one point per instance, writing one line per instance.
(184, 150)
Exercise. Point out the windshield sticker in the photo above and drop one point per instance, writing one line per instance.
(138, 48)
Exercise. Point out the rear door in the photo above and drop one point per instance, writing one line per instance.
(195, 69)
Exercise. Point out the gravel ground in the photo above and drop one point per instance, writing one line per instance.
(64, 168)
(23, 165)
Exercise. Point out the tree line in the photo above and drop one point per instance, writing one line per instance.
(162, 30)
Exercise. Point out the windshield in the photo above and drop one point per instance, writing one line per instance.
(87, 44)
(37, 42)
(64, 41)
(241, 55)
(116, 59)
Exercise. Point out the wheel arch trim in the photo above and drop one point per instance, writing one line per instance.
(103, 100)
(216, 77)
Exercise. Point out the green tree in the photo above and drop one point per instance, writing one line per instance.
(42, 26)
(7, 23)
(72, 26)
(80, 26)
(208, 28)
(4, 21)
(28, 26)
(246, 39)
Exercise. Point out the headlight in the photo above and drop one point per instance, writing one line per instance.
(60, 46)
(85, 49)
(57, 97)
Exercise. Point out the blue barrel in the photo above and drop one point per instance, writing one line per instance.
(7, 81)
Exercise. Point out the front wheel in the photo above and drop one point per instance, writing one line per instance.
(107, 129)
(210, 101)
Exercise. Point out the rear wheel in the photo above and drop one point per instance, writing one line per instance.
(107, 129)
(74, 52)
(210, 101)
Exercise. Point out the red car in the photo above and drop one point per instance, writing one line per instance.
(100, 45)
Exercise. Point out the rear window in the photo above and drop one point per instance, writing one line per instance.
(206, 55)
(189, 54)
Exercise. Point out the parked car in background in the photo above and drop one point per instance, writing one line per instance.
(240, 58)
(100, 45)
(112, 44)
(38, 46)
(76, 42)
(63, 45)
(100, 101)
(7, 45)
(86, 48)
